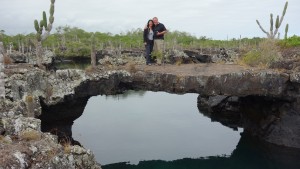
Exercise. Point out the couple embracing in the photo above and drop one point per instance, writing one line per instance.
(154, 39)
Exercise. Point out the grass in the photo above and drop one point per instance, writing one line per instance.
(7, 60)
(30, 106)
(29, 99)
(67, 147)
(1, 138)
(30, 135)
(157, 55)
(89, 69)
(179, 62)
(131, 67)
(49, 91)
(51, 153)
(266, 53)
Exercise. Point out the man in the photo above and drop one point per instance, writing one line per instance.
(159, 32)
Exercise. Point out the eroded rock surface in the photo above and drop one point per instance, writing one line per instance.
(32, 92)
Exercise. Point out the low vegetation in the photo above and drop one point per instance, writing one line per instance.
(75, 42)
(266, 53)
(30, 135)
(293, 41)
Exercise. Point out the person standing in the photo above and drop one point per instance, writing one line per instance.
(159, 32)
(148, 40)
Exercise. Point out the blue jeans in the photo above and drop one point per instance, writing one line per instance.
(149, 49)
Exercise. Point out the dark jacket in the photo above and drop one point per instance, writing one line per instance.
(159, 28)
(146, 32)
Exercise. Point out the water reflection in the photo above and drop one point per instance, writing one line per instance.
(77, 64)
(141, 126)
(249, 154)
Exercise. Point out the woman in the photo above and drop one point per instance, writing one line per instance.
(148, 40)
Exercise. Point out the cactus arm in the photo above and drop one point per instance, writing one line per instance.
(48, 26)
(268, 34)
(36, 26)
(45, 19)
(284, 11)
(286, 31)
(273, 32)
(271, 24)
(281, 18)
(42, 34)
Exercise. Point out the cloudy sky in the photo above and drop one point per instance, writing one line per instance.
(217, 19)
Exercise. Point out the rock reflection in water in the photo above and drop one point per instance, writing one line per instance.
(249, 154)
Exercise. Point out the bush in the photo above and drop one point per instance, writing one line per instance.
(266, 53)
(156, 55)
(290, 42)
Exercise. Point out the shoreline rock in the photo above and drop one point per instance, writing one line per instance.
(32, 93)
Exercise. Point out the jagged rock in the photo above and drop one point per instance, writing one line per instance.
(119, 53)
(69, 86)
(2, 84)
(14, 126)
(29, 151)
(210, 56)
(48, 58)
(117, 61)
(295, 77)
(18, 57)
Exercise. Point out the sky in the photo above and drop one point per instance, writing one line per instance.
(216, 19)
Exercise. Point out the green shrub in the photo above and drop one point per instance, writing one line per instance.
(266, 53)
(156, 55)
(290, 42)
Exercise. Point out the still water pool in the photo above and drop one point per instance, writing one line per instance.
(142, 130)
(142, 125)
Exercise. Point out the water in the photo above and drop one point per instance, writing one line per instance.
(150, 126)
(157, 130)
(73, 64)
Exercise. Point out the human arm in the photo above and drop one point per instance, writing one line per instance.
(145, 36)
(162, 30)
(162, 33)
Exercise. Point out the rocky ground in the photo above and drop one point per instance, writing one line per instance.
(22, 143)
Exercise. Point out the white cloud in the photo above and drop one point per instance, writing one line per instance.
(212, 18)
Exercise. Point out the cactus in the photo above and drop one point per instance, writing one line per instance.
(93, 51)
(286, 31)
(43, 29)
(272, 34)
(43, 24)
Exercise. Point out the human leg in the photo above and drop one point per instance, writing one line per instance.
(148, 52)
(159, 48)
(151, 50)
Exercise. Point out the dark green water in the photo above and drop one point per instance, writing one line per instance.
(157, 130)
(73, 64)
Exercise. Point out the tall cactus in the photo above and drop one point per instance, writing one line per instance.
(43, 29)
(286, 31)
(272, 33)
(43, 24)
